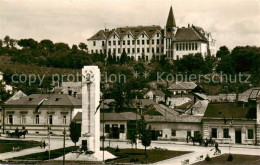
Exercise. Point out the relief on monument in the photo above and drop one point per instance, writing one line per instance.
(88, 77)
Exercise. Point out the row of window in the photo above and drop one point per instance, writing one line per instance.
(214, 133)
(186, 46)
(128, 50)
(37, 119)
(128, 35)
(128, 42)
(108, 129)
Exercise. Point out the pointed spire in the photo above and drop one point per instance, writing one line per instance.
(170, 21)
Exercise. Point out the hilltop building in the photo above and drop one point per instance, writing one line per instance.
(145, 42)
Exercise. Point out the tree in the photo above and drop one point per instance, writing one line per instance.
(83, 46)
(145, 133)
(223, 51)
(7, 41)
(123, 58)
(75, 132)
(110, 58)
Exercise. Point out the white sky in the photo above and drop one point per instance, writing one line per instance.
(231, 22)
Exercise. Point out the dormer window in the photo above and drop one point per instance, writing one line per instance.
(57, 99)
(142, 35)
(30, 99)
(114, 36)
(128, 35)
(158, 34)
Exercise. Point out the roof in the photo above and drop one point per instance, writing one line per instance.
(157, 92)
(106, 105)
(175, 119)
(164, 110)
(230, 110)
(16, 96)
(170, 21)
(124, 116)
(144, 102)
(121, 32)
(55, 100)
(182, 86)
(198, 108)
(189, 34)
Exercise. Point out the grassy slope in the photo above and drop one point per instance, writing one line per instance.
(7, 145)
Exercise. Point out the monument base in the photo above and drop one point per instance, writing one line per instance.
(95, 157)
(87, 144)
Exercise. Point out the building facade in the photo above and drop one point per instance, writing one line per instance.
(56, 113)
(146, 42)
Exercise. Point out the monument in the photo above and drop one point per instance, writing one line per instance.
(90, 128)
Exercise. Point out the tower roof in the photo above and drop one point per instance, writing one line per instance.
(170, 21)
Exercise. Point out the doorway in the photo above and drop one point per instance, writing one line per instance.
(115, 131)
(238, 136)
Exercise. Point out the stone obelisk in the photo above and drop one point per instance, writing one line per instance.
(90, 127)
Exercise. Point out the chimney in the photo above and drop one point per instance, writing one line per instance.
(188, 25)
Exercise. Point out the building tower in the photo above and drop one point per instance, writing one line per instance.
(169, 33)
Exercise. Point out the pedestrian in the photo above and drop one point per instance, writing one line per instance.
(44, 144)
(217, 150)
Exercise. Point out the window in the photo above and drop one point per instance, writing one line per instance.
(177, 47)
(138, 50)
(250, 134)
(109, 43)
(122, 128)
(124, 42)
(214, 133)
(128, 35)
(92, 51)
(64, 119)
(157, 41)
(138, 42)
(37, 119)
(196, 46)
(114, 50)
(153, 50)
(173, 132)
(157, 50)
(152, 41)
(133, 42)
(148, 42)
(118, 42)
(157, 34)
(119, 50)
(128, 50)
(178, 57)
(225, 133)
(180, 46)
(192, 46)
(160, 133)
(94, 43)
(23, 119)
(142, 42)
(101, 52)
(186, 46)
(162, 49)
(139, 58)
(50, 119)
(189, 133)
(128, 42)
(103, 43)
(107, 127)
(162, 41)
(133, 50)
(114, 42)
(10, 119)
(189, 46)
(196, 134)
(142, 50)
(142, 35)
(146, 58)
(148, 50)
(183, 45)
(96, 51)
(123, 49)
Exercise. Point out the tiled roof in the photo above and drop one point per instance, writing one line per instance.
(156, 92)
(135, 31)
(164, 110)
(124, 116)
(55, 100)
(144, 102)
(230, 110)
(16, 96)
(174, 119)
(182, 85)
(198, 108)
(189, 34)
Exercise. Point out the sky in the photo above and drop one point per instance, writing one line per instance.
(231, 22)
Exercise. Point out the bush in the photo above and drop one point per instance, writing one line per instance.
(207, 158)
(230, 157)
(134, 160)
(117, 149)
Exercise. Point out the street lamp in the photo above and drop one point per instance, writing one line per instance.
(64, 133)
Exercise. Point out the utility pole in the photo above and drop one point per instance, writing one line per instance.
(64, 133)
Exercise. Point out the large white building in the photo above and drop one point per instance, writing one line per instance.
(145, 41)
